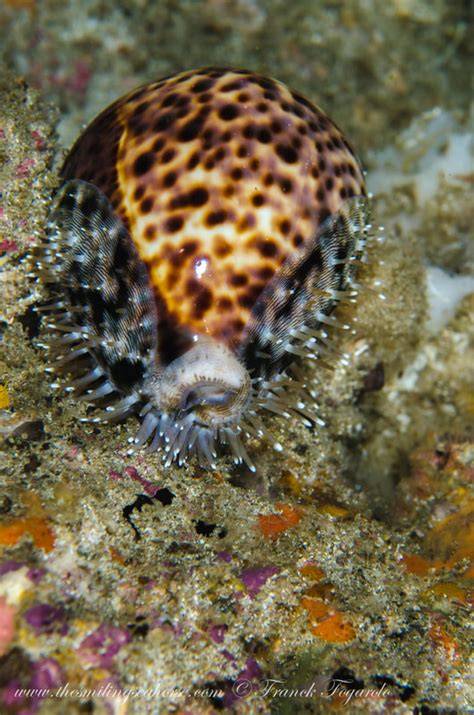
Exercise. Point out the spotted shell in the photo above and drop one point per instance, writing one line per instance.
(207, 226)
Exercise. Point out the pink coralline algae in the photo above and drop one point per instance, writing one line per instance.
(75, 83)
(39, 141)
(10, 565)
(148, 487)
(79, 81)
(217, 632)
(100, 646)
(46, 674)
(255, 578)
(8, 246)
(23, 168)
(47, 619)
(7, 625)
(132, 472)
(224, 556)
(34, 574)
(249, 677)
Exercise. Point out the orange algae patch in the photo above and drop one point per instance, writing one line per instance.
(334, 630)
(316, 608)
(452, 540)
(326, 624)
(4, 398)
(447, 589)
(443, 643)
(43, 537)
(310, 570)
(34, 523)
(469, 573)
(320, 590)
(420, 566)
(21, 4)
(291, 482)
(116, 556)
(453, 537)
(272, 525)
(338, 512)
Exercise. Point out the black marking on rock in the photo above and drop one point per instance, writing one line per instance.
(165, 496)
(374, 380)
(344, 679)
(207, 529)
(138, 504)
(139, 629)
(31, 321)
(6, 504)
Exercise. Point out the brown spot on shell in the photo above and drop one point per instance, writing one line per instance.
(191, 130)
(170, 179)
(150, 232)
(228, 112)
(168, 155)
(202, 302)
(224, 304)
(286, 185)
(285, 226)
(198, 197)
(246, 222)
(146, 205)
(158, 145)
(287, 153)
(266, 246)
(202, 85)
(222, 247)
(174, 224)
(215, 217)
(239, 279)
(258, 200)
(143, 163)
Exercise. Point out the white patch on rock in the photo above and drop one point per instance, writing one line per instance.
(444, 293)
